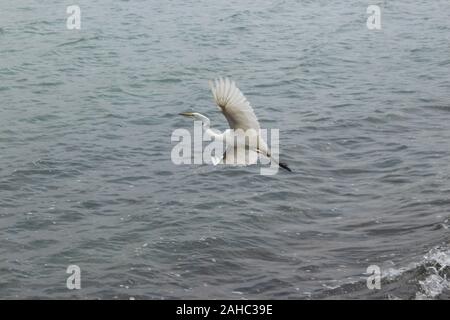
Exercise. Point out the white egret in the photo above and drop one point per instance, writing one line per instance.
(240, 117)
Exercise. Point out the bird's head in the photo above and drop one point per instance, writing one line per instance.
(192, 115)
(196, 116)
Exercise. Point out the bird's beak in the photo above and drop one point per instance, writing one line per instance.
(186, 114)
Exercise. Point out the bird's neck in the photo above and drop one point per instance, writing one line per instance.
(208, 131)
(205, 121)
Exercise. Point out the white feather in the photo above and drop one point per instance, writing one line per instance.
(234, 105)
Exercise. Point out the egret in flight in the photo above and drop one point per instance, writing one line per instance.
(240, 116)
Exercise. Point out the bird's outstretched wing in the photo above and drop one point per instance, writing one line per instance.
(234, 105)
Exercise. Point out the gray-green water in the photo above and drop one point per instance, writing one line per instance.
(86, 176)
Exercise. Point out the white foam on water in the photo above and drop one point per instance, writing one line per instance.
(436, 261)
(431, 287)
(393, 273)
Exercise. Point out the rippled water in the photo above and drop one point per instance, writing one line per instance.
(86, 176)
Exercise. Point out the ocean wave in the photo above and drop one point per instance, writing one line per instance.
(424, 280)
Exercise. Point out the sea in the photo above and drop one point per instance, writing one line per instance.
(92, 205)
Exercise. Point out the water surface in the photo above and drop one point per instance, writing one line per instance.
(85, 171)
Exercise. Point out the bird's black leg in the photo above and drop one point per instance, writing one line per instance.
(280, 164)
(224, 156)
(284, 166)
